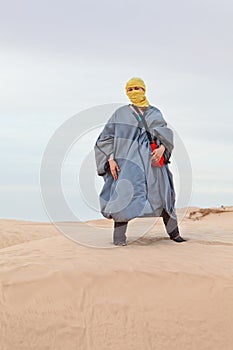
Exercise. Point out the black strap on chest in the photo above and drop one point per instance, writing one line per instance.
(141, 118)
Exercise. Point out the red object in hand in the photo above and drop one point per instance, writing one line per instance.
(160, 163)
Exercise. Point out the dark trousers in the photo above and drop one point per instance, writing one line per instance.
(171, 227)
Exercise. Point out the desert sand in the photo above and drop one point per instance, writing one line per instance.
(152, 294)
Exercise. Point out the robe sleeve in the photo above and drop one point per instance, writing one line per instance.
(163, 134)
(104, 146)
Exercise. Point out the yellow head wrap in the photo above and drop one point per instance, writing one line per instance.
(137, 97)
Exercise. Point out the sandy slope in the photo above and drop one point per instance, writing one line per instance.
(151, 294)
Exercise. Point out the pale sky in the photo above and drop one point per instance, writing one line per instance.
(58, 58)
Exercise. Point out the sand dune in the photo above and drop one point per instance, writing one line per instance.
(152, 294)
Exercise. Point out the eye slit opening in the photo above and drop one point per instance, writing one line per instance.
(135, 88)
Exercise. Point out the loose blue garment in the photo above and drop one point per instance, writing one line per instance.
(140, 190)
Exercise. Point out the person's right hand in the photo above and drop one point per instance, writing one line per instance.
(114, 168)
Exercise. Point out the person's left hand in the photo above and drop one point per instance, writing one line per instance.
(158, 153)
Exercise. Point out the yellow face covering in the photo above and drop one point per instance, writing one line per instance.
(137, 97)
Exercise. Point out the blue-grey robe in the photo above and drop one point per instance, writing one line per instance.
(140, 189)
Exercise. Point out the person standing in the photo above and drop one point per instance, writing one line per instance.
(137, 178)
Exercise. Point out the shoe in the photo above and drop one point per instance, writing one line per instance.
(120, 243)
(179, 239)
